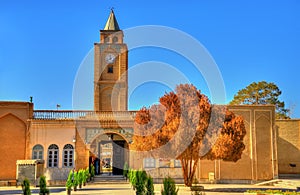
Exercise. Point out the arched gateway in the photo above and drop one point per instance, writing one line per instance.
(108, 153)
(103, 139)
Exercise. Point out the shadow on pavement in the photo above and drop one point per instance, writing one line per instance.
(34, 191)
(240, 190)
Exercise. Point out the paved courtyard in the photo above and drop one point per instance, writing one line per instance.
(125, 189)
(109, 189)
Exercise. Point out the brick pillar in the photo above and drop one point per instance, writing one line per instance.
(81, 153)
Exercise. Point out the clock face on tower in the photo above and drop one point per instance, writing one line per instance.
(110, 58)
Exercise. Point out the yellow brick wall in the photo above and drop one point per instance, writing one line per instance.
(288, 143)
(258, 160)
(13, 136)
(82, 153)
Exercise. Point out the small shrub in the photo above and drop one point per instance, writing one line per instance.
(129, 174)
(92, 170)
(69, 183)
(43, 186)
(75, 180)
(169, 187)
(149, 186)
(87, 174)
(125, 170)
(141, 177)
(195, 182)
(80, 177)
(84, 176)
(132, 178)
(196, 189)
(26, 187)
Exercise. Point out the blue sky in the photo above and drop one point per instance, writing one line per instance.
(43, 43)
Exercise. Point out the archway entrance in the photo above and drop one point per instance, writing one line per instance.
(108, 153)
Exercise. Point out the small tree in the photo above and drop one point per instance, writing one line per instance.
(92, 171)
(262, 93)
(141, 177)
(69, 183)
(43, 186)
(84, 177)
(87, 174)
(149, 186)
(80, 178)
(132, 178)
(169, 187)
(125, 170)
(26, 187)
(129, 174)
(75, 180)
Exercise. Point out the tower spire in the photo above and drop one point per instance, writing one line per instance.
(111, 23)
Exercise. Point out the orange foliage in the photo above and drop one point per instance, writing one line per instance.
(187, 127)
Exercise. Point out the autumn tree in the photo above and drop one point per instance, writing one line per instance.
(187, 127)
(261, 93)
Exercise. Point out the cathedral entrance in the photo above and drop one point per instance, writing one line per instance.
(106, 154)
(118, 158)
(109, 152)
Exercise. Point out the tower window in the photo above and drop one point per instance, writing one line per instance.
(106, 40)
(115, 39)
(110, 69)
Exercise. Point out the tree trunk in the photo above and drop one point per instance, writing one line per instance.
(189, 168)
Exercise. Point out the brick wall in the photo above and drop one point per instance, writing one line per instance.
(13, 136)
(258, 160)
(288, 144)
(82, 153)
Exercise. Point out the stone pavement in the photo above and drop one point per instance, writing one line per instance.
(125, 189)
(101, 189)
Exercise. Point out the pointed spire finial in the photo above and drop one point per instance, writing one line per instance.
(111, 23)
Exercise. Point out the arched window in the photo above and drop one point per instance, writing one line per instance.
(115, 39)
(37, 152)
(106, 40)
(110, 69)
(68, 155)
(53, 156)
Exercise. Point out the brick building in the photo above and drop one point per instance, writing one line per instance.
(68, 139)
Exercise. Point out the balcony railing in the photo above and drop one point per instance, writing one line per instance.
(82, 114)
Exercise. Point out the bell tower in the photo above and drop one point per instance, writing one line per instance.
(110, 69)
